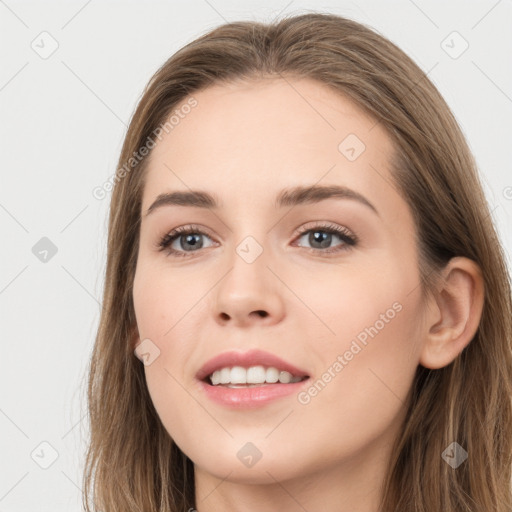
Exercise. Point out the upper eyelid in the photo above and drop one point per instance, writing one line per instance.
(324, 225)
(299, 231)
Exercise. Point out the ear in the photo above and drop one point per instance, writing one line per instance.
(453, 315)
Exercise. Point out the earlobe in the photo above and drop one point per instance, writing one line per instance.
(453, 322)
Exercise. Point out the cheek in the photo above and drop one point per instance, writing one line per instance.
(163, 299)
(361, 389)
(161, 315)
(166, 304)
(370, 350)
(348, 299)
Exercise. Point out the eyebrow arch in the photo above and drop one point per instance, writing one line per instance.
(288, 197)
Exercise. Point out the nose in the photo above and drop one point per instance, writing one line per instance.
(249, 293)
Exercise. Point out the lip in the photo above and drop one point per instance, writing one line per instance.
(250, 398)
(253, 357)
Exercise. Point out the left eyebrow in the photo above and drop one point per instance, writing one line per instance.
(287, 197)
(316, 193)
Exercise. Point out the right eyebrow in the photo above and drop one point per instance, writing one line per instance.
(193, 198)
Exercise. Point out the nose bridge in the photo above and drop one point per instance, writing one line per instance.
(249, 274)
(251, 239)
(249, 286)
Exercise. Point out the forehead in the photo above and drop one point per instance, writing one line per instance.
(254, 112)
(245, 139)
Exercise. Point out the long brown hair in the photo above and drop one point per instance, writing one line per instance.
(132, 463)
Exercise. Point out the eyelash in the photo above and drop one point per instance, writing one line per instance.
(345, 235)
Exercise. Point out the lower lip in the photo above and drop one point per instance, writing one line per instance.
(256, 396)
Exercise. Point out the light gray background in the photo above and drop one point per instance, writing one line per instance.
(62, 122)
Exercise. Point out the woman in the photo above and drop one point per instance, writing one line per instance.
(306, 303)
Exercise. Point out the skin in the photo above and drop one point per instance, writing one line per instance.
(245, 142)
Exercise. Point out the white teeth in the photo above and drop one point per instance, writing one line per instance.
(272, 375)
(285, 377)
(225, 376)
(238, 375)
(251, 375)
(256, 375)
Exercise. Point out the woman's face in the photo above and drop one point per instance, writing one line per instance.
(264, 270)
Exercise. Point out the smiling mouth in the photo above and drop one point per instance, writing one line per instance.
(254, 376)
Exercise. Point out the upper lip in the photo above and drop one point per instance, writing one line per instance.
(246, 359)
